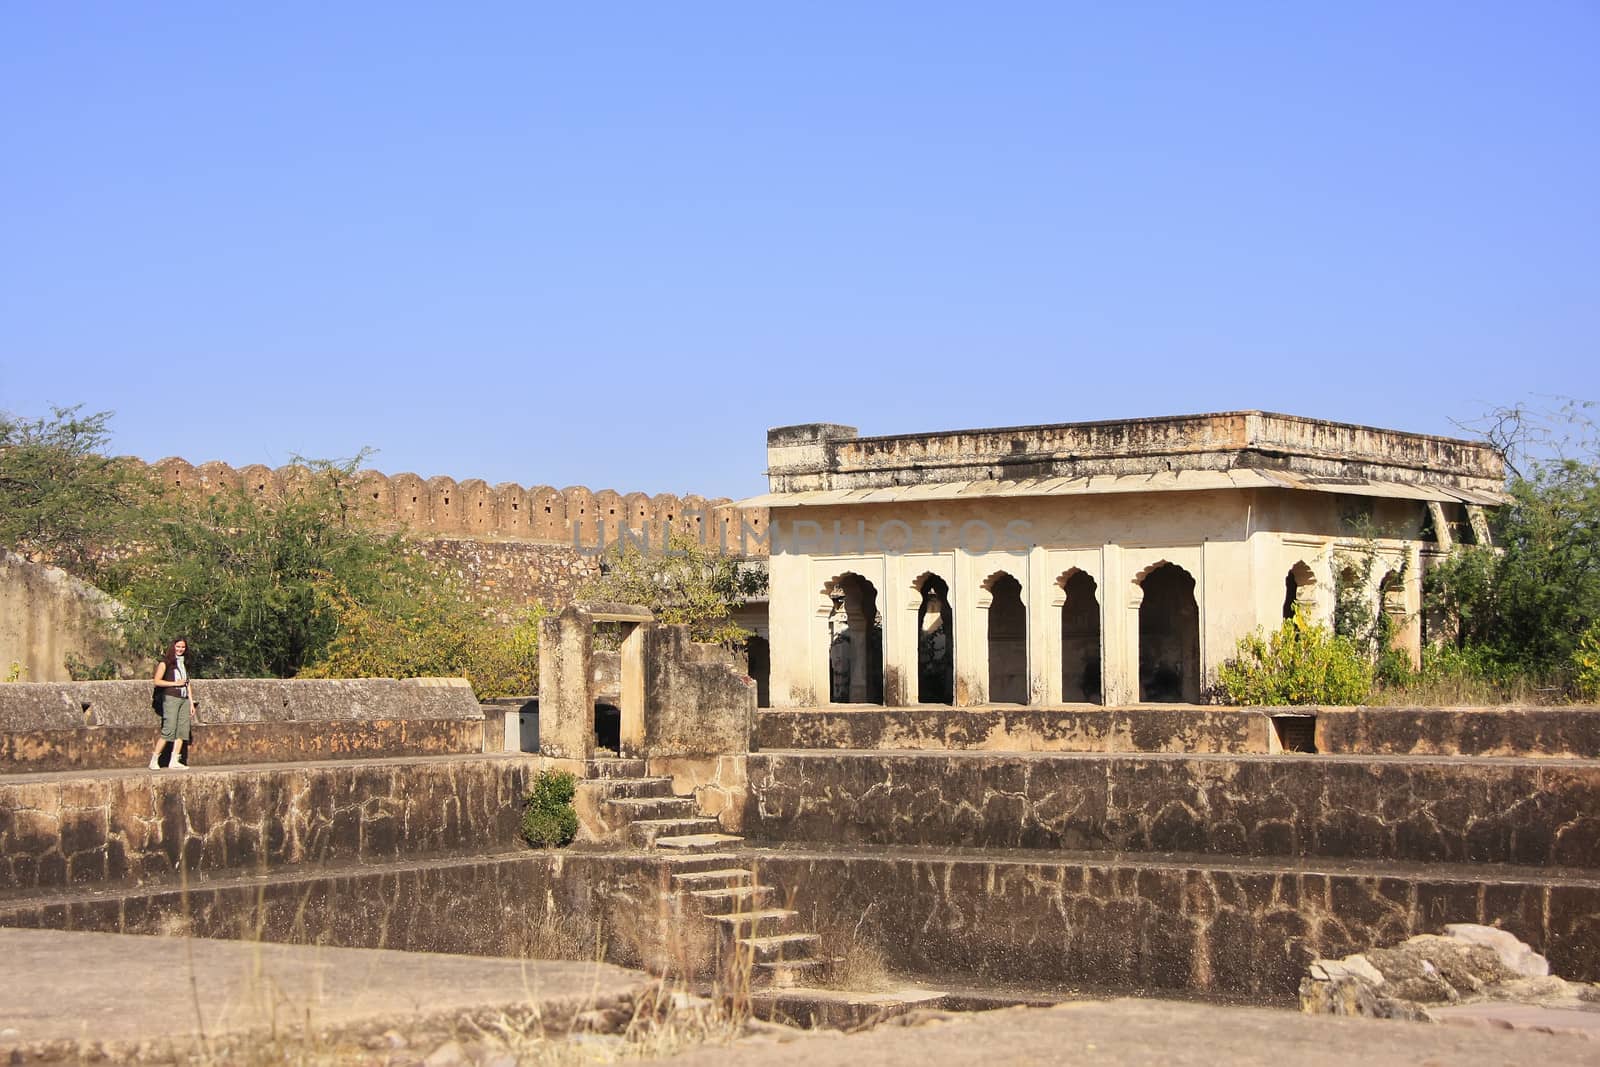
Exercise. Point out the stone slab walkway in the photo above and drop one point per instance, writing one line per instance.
(1170, 1033)
(62, 986)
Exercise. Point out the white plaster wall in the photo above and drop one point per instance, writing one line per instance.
(1238, 547)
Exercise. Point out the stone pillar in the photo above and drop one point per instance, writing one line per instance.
(1119, 629)
(566, 685)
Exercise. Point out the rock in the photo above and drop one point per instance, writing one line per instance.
(1512, 952)
(1432, 977)
(449, 1054)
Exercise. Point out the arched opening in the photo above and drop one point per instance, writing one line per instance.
(855, 642)
(936, 669)
(1169, 637)
(1008, 641)
(1299, 589)
(758, 664)
(1080, 640)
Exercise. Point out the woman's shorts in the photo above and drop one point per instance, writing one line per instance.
(174, 718)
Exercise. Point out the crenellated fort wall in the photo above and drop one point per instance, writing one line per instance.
(515, 546)
(442, 507)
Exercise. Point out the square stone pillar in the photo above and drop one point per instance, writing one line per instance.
(566, 685)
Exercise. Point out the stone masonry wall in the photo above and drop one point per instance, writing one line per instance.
(88, 725)
(62, 830)
(1115, 921)
(1535, 812)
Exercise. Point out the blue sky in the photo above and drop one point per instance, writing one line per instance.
(612, 244)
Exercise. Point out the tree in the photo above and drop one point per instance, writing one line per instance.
(687, 583)
(255, 582)
(61, 500)
(1527, 600)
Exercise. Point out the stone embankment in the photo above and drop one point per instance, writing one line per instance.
(1207, 865)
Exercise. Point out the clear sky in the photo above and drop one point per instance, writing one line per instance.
(612, 244)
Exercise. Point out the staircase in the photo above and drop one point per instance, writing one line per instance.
(711, 877)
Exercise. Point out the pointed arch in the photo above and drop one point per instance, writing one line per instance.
(1169, 635)
(1080, 637)
(1008, 639)
(936, 675)
(1299, 589)
(855, 640)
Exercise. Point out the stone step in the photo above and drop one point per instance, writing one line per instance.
(689, 861)
(717, 877)
(616, 768)
(733, 898)
(789, 974)
(837, 1010)
(710, 842)
(640, 809)
(753, 921)
(781, 947)
(618, 788)
(644, 832)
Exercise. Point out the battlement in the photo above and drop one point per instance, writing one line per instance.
(444, 507)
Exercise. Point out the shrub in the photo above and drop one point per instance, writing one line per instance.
(1586, 665)
(1299, 663)
(548, 819)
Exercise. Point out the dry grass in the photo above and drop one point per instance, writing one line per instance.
(1460, 691)
(859, 963)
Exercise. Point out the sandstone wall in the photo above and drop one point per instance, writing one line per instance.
(47, 615)
(1117, 922)
(1018, 729)
(61, 831)
(441, 507)
(87, 725)
(1413, 809)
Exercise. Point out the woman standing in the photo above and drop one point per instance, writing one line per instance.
(172, 683)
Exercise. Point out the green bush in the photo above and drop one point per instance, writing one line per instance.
(548, 819)
(1299, 663)
(1586, 665)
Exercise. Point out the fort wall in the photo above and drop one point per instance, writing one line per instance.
(442, 507)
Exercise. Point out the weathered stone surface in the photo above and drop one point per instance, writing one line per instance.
(698, 699)
(1471, 963)
(59, 830)
(1559, 732)
(1157, 923)
(1427, 810)
(90, 725)
(1017, 729)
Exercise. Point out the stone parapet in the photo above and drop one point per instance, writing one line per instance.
(131, 828)
(1558, 732)
(824, 456)
(88, 725)
(1416, 809)
(1018, 729)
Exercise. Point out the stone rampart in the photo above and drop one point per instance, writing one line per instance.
(442, 507)
(84, 830)
(1412, 809)
(85, 725)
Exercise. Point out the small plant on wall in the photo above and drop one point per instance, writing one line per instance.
(548, 818)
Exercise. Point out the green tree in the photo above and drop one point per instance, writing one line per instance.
(687, 583)
(63, 501)
(255, 581)
(1527, 600)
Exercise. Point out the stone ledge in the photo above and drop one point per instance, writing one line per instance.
(75, 705)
